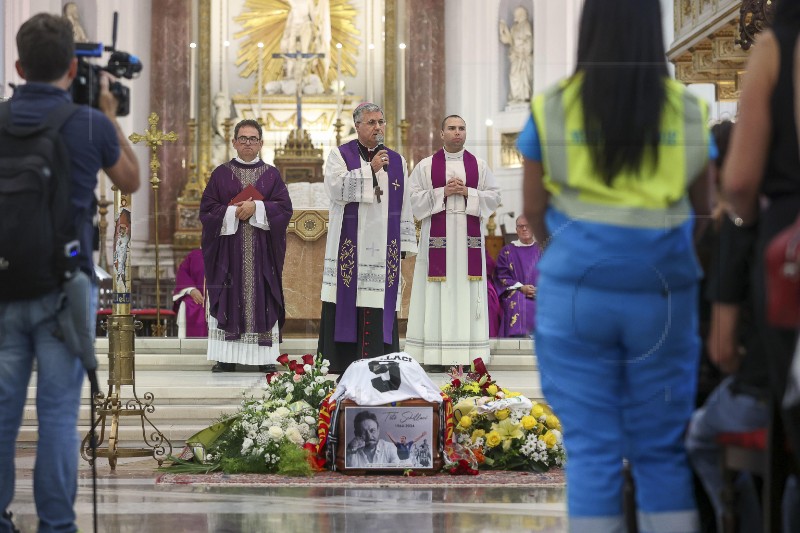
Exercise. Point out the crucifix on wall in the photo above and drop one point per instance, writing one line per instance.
(299, 63)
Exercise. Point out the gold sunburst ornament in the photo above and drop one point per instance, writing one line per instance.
(266, 21)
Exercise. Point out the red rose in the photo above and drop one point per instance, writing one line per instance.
(271, 376)
(480, 368)
(293, 365)
(299, 370)
(308, 359)
(456, 383)
(283, 359)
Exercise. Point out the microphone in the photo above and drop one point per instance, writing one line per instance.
(379, 137)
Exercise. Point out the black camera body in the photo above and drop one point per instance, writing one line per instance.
(86, 85)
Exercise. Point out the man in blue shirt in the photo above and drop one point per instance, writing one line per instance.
(29, 328)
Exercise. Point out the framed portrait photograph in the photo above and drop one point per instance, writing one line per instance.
(389, 437)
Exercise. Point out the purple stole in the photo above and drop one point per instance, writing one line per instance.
(347, 260)
(437, 245)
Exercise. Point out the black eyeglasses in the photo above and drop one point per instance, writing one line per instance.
(372, 123)
(247, 140)
(522, 226)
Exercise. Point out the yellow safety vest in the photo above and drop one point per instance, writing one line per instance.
(653, 197)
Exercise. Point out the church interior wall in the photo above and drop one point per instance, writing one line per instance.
(366, 85)
(478, 70)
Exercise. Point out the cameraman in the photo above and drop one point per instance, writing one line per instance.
(28, 328)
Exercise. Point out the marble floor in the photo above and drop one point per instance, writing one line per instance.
(129, 500)
(189, 397)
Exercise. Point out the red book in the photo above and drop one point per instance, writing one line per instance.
(247, 192)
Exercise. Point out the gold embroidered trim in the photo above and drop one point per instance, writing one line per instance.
(347, 261)
(393, 262)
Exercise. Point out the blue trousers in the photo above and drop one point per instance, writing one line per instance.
(26, 334)
(620, 371)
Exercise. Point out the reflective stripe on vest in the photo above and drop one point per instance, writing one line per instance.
(656, 199)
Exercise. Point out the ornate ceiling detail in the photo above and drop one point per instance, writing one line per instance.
(754, 16)
(707, 45)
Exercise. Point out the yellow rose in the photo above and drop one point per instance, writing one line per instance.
(502, 414)
(537, 410)
(492, 390)
(553, 422)
(493, 439)
(550, 439)
(465, 422)
(477, 434)
(528, 422)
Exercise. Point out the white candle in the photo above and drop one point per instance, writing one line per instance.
(402, 91)
(225, 47)
(260, 85)
(192, 87)
(489, 148)
(338, 80)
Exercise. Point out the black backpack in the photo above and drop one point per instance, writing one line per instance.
(38, 237)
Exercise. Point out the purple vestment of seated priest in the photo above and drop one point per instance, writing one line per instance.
(191, 275)
(516, 266)
(244, 270)
(495, 311)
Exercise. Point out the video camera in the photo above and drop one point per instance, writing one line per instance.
(86, 85)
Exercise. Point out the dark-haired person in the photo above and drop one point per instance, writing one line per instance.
(367, 449)
(761, 182)
(28, 328)
(244, 246)
(615, 176)
(370, 229)
(452, 193)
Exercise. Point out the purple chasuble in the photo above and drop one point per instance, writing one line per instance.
(248, 265)
(192, 274)
(517, 264)
(437, 244)
(347, 258)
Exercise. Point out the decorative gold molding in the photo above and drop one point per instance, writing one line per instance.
(705, 48)
(309, 225)
(204, 79)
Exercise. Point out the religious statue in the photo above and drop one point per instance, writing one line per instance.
(308, 30)
(121, 249)
(520, 56)
(70, 13)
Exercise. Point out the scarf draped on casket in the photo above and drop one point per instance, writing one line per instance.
(224, 255)
(347, 258)
(437, 244)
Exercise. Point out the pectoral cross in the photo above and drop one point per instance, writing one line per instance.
(378, 193)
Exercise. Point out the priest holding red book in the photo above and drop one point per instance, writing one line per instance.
(245, 211)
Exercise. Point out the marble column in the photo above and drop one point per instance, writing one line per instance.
(171, 24)
(425, 91)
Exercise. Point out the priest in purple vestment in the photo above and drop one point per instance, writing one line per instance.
(495, 311)
(516, 274)
(188, 300)
(245, 211)
(370, 229)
